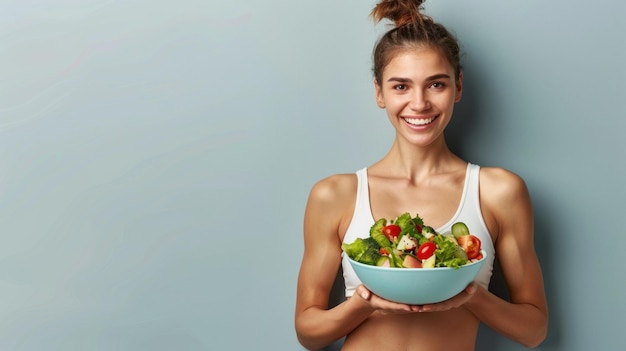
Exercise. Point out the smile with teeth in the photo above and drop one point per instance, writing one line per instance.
(419, 121)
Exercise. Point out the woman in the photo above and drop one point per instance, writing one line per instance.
(417, 80)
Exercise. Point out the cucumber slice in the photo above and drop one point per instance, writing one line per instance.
(459, 229)
(383, 261)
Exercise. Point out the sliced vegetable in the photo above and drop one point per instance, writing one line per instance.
(407, 243)
(411, 262)
(383, 261)
(392, 231)
(429, 262)
(426, 250)
(470, 244)
(459, 229)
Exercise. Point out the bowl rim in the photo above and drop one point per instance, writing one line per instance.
(410, 269)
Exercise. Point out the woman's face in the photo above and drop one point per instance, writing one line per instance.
(419, 91)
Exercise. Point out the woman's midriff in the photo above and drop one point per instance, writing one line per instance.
(432, 331)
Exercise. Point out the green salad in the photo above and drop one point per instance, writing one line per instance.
(406, 242)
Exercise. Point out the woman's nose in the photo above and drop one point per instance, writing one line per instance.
(419, 101)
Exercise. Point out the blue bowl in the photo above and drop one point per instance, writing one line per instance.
(417, 286)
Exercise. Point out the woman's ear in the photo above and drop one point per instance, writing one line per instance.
(380, 100)
(459, 87)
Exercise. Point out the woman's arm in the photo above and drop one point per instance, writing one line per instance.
(329, 210)
(316, 325)
(508, 212)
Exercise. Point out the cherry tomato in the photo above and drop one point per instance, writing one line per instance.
(392, 231)
(470, 244)
(383, 251)
(426, 250)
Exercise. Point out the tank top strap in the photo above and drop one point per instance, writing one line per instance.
(471, 197)
(471, 192)
(362, 204)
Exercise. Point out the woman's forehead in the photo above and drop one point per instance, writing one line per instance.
(418, 62)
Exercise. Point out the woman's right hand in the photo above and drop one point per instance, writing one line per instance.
(381, 305)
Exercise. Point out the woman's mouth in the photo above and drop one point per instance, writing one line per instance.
(419, 121)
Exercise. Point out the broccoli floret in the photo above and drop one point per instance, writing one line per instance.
(363, 250)
(376, 233)
(405, 221)
(370, 256)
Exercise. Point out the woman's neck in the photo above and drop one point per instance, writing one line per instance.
(410, 161)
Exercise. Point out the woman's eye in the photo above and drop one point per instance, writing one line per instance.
(437, 85)
(400, 87)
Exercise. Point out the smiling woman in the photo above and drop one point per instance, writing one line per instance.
(415, 96)
(418, 80)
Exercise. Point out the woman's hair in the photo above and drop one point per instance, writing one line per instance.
(412, 30)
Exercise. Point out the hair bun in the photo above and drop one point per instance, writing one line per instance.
(400, 12)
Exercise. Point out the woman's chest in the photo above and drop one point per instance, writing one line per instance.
(435, 203)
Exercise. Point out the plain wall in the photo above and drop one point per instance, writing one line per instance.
(156, 157)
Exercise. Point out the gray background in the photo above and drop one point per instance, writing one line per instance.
(156, 157)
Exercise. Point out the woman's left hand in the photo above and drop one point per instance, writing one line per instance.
(453, 302)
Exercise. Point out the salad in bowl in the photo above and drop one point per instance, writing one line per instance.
(406, 261)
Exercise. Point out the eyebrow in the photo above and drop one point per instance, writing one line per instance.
(408, 80)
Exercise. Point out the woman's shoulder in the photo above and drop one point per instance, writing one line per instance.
(335, 187)
(500, 186)
(332, 200)
(500, 177)
(504, 199)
